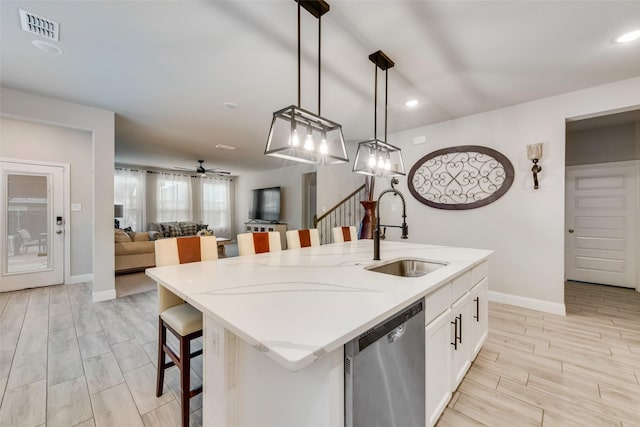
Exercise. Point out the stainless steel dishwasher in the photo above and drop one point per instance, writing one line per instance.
(385, 373)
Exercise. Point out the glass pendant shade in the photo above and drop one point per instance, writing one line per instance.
(300, 135)
(377, 158)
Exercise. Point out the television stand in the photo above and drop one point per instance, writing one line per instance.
(257, 227)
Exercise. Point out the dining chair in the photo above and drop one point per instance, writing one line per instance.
(257, 243)
(26, 240)
(344, 234)
(180, 318)
(303, 238)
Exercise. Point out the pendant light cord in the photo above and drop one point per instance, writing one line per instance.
(386, 93)
(375, 104)
(319, 59)
(298, 54)
(319, 62)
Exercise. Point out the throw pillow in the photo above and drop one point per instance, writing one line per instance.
(140, 237)
(170, 229)
(188, 228)
(202, 227)
(130, 232)
(121, 236)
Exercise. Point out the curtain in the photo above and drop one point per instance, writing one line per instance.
(129, 191)
(216, 205)
(173, 198)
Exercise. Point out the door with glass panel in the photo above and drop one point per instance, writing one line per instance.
(31, 209)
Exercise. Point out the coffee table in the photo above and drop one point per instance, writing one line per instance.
(222, 241)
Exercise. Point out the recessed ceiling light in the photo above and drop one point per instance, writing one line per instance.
(47, 47)
(226, 147)
(628, 37)
(230, 105)
(412, 103)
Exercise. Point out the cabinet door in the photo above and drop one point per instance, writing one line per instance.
(461, 339)
(438, 366)
(480, 316)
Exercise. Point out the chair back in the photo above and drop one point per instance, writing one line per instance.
(24, 234)
(344, 234)
(182, 250)
(257, 243)
(303, 238)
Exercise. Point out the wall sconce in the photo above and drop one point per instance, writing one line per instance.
(534, 153)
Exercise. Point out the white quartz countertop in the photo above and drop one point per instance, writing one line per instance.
(297, 305)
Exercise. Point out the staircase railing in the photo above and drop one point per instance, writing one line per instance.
(346, 212)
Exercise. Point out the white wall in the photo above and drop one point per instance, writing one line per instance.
(100, 123)
(288, 178)
(337, 182)
(525, 227)
(34, 141)
(602, 145)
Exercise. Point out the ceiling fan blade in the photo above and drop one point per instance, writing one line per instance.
(182, 169)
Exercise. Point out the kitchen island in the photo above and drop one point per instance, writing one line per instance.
(275, 324)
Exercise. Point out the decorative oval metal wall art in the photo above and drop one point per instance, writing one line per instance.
(463, 177)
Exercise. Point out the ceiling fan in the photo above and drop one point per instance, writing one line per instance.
(201, 170)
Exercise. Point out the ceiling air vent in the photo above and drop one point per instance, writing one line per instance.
(35, 24)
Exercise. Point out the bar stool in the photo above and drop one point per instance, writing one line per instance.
(257, 243)
(303, 238)
(344, 234)
(180, 318)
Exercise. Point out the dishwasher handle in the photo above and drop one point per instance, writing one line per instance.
(396, 333)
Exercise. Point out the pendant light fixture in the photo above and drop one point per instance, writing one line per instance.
(376, 157)
(301, 135)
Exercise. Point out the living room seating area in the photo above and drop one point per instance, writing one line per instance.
(134, 251)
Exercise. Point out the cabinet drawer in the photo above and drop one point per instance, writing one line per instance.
(437, 302)
(461, 285)
(479, 272)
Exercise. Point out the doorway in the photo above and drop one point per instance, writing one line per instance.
(602, 184)
(308, 199)
(31, 212)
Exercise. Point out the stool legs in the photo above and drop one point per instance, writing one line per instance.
(182, 361)
(185, 375)
(162, 340)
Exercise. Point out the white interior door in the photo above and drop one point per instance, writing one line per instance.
(601, 221)
(31, 209)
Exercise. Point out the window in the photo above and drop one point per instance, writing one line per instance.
(173, 198)
(129, 191)
(216, 205)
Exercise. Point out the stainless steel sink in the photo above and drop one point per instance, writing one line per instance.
(409, 267)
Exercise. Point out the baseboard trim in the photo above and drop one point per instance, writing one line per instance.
(79, 278)
(104, 295)
(530, 303)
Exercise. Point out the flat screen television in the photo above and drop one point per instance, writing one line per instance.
(265, 204)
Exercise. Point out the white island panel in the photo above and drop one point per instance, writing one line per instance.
(298, 305)
(245, 388)
(276, 324)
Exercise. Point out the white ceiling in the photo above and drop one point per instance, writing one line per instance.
(166, 67)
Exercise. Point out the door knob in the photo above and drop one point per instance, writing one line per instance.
(571, 230)
(58, 231)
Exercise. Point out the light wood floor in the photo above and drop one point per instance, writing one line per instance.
(66, 361)
(541, 369)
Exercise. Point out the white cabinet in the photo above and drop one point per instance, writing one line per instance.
(257, 227)
(438, 369)
(457, 319)
(480, 315)
(461, 339)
